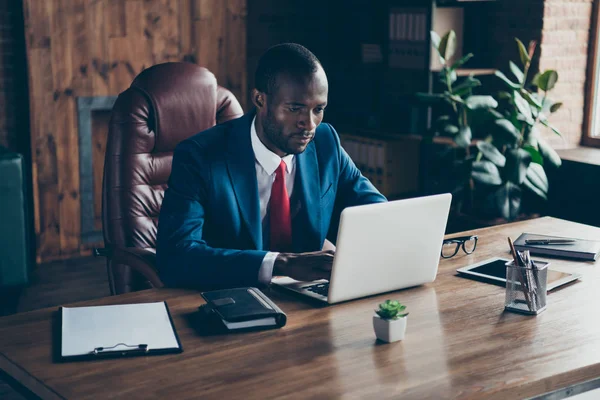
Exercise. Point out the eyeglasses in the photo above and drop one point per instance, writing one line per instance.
(450, 246)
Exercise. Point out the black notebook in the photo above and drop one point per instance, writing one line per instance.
(241, 309)
(580, 249)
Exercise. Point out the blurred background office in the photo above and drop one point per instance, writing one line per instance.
(62, 64)
(509, 127)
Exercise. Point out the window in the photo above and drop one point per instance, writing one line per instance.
(591, 123)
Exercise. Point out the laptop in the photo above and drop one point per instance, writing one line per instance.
(382, 247)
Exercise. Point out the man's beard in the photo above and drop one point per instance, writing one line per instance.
(274, 133)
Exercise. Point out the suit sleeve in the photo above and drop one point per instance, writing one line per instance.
(353, 189)
(184, 258)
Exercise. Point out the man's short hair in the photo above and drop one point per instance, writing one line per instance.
(290, 58)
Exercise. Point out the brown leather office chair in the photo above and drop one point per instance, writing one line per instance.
(164, 105)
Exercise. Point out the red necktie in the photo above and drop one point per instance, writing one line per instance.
(281, 224)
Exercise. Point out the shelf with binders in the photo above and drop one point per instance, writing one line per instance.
(402, 165)
(390, 162)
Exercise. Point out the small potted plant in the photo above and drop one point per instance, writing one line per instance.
(390, 321)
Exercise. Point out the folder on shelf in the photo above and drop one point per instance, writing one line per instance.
(117, 331)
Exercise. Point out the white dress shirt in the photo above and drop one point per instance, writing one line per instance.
(266, 163)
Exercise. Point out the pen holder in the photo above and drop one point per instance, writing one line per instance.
(526, 288)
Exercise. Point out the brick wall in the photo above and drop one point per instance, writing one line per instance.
(564, 48)
(14, 118)
(498, 25)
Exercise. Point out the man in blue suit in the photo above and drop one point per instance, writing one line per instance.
(259, 195)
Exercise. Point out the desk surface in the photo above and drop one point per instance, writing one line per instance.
(459, 343)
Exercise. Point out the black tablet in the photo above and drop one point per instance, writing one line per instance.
(493, 270)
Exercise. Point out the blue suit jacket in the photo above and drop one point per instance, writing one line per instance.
(209, 230)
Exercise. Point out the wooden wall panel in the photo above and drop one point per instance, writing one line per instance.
(209, 18)
(95, 48)
(97, 71)
(62, 46)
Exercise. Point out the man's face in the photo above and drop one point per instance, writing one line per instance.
(289, 116)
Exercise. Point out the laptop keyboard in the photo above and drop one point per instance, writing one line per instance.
(318, 288)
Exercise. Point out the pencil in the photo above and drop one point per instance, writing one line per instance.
(519, 275)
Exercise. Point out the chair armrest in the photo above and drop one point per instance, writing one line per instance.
(140, 260)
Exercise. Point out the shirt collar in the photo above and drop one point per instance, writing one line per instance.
(265, 157)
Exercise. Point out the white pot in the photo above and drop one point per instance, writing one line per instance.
(389, 330)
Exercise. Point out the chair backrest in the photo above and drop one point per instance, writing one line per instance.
(164, 105)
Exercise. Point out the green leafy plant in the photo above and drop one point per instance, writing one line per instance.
(457, 93)
(391, 309)
(514, 155)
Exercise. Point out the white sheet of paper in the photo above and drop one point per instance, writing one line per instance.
(86, 328)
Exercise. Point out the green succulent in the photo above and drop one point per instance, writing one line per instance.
(391, 309)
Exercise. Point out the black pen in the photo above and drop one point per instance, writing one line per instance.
(549, 241)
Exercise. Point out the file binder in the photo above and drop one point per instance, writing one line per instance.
(98, 332)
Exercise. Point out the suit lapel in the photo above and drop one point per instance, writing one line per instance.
(242, 172)
(307, 232)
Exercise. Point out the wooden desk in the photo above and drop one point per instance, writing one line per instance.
(459, 344)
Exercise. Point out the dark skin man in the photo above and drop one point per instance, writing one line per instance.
(286, 121)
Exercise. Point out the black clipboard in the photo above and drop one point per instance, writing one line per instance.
(118, 350)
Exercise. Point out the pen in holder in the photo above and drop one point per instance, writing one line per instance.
(526, 287)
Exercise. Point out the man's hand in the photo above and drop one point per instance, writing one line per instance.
(310, 266)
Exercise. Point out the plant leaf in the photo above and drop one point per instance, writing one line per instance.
(531, 99)
(510, 83)
(547, 124)
(432, 98)
(476, 102)
(448, 45)
(517, 162)
(517, 72)
(523, 107)
(495, 114)
(507, 126)
(486, 172)
(531, 49)
(456, 98)
(462, 61)
(536, 79)
(463, 139)
(452, 77)
(555, 107)
(536, 157)
(535, 189)
(547, 80)
(435, 40)
(536, 180)
(505, 201)
(491, 153)
(465, 86)
(523, 52)
(548, 153)
(504, 95)
(532, 138)
(450, 129)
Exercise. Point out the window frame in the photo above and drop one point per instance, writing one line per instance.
(593, 77)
